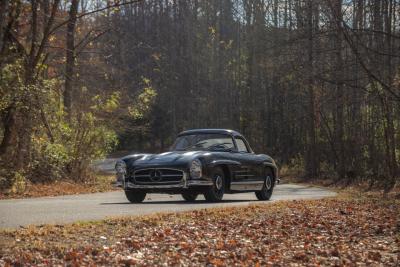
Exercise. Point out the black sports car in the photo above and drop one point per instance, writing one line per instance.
(203, 161)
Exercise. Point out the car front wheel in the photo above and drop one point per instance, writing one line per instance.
(216, 191)
(135, 196)
(268, 187)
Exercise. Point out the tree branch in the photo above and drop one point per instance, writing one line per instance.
(95, 11)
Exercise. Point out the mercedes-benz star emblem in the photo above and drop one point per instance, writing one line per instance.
(155, 175)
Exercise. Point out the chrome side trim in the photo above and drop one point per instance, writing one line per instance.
(248, 182)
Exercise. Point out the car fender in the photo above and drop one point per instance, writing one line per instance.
(133, 157)
(229, 165)
(226, 162)
(274, 169)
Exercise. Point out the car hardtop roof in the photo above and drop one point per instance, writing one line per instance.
(210, 131)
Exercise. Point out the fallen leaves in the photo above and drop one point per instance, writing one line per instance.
(102, 183)
(320, 232)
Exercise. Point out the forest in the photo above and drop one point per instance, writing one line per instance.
(313, 83)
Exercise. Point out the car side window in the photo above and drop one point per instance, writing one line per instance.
(241, 146)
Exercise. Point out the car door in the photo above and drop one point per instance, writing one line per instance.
(248, 175)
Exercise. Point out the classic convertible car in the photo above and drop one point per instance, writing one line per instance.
(203, 161)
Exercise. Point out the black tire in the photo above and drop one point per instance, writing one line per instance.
(189, 197)
(216, 192)
(268, 186)
(135, 196)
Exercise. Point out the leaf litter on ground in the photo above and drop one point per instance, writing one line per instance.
(329, 232)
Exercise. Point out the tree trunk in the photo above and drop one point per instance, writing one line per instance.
(339, 133)
(311, 163)
(3, 20)
(70, 58)
(10, 133)
(388, 109)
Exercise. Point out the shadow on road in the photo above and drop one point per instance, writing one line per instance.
(183, 202)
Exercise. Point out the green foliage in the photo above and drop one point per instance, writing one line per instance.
(76, 143)
(12, 89)
(49, 162)
(61, 146)
(144, 101)
(19, 183)
(90, 140)
(109, 104)
(13, 180)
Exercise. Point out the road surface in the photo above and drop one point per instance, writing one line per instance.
(65, 209)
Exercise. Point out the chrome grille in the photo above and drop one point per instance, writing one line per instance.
(158, 176)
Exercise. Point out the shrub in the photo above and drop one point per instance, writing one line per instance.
(60, 146)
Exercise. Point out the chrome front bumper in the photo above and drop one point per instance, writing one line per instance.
(184, 184)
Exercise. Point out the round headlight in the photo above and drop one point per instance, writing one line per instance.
(120, 167)
(195, 169)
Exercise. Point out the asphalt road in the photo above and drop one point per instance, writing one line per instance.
(65, 209)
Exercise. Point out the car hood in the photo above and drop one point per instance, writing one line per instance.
(173, 158)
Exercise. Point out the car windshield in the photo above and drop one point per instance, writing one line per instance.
(213, 142)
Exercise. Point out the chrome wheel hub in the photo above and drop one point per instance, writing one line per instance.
(268, 182)
(218, 182)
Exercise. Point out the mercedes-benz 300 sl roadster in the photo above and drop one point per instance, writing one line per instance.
(211, 162)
